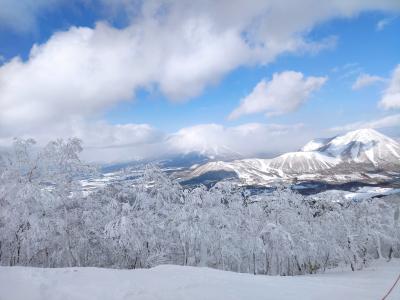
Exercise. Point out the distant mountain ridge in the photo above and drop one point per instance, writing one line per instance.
(360, 155)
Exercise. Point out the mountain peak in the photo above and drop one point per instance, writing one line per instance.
(363, 145)
(366, 130)
(361, 135)
(363, 154)
(315, 144)
(364, 136)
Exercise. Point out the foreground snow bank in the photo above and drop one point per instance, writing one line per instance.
(176, 282)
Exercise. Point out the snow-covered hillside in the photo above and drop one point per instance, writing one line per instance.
(181, 283)
(363, 146)
(360, 155)
(315, 144)
(303, 162)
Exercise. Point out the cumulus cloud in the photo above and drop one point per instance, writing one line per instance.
(84, 71)
(286, 92)
(22, 14)
(177, 47)
(385, 122)
(214, 140)
(102, 141)
(246, 140)
(364, 80)
(391, 96)
(107, 143)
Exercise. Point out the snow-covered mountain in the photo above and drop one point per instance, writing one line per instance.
(303, 162)
(315, 144)
(364, 146)
(360, 155)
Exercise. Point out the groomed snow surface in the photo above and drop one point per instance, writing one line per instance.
(177, 282)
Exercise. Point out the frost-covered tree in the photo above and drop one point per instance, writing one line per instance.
(46, 220)
(39, 200)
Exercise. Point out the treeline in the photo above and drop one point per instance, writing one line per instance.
(46, 221)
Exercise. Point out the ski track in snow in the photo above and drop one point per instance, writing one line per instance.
(169, 282)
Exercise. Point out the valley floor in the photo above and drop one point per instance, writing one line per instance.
(177, 282)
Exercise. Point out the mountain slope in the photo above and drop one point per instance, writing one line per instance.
(360, 155)
(315, 144)
(303, 162)
(363, 146)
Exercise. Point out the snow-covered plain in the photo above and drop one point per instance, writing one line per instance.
(177, 282)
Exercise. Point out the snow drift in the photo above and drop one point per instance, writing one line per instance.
(176, 282)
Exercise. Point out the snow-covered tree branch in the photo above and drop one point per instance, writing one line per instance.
(46, 221)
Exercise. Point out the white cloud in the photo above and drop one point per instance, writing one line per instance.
(106, 143)
(364, 80)
(176, 47)
(385, 122)
(83, 71)
(249, 139)
(353, 67)
(21, 15)
(381, 24)
(347, 71)
(391, 96)
(286, 92)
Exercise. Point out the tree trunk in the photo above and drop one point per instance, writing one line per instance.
(203, 254)
(254, 263)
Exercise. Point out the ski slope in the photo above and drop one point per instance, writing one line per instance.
(169, 282)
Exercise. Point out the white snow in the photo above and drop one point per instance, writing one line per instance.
(267, 170)
(368, 192)
(305, 161)
(374, 145)
(364, 136)
(177, 282)
(314, 145)
(315, 158)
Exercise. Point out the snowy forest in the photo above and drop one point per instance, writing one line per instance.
(47, 221)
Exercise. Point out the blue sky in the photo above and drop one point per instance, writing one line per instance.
(360, 49)
(146, 113)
